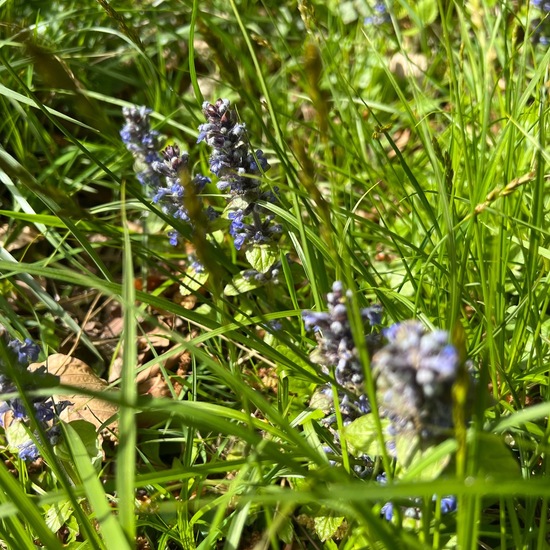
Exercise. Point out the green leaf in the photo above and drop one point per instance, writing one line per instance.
(495, 457)
(205, 310)
(192, 281)
(262, 257)
(321, 401)
(109, 524)
(73, 529)
(428, 462)
(89, 437)
(32, 517)
(348, 13)
(240, 284)
(419, 459)
(426, 11)
(300, 376)
(77, 545)
(17, 434)
(19, 98)
(326, 526)
(285, 530)
(58, 514)
(237, 203)
(407, 449)
(217, 228)
(362, 435)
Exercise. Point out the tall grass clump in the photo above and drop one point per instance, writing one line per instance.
(274, 276)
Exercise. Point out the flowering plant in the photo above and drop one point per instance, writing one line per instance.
(238, 171)
(19, 417)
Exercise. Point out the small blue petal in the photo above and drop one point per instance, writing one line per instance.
(387, 511)
(28, 451)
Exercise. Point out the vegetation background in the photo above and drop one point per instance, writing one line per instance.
(408, 142)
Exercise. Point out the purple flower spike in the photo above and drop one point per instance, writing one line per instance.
(43, 410)
(337, 349)
(237, 169)
(162, 171)
(415, 373)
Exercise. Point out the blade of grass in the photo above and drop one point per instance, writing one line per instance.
(126, 455)
(28, 509)
(110, 528)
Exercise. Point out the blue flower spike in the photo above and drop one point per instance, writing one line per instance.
(13, 412)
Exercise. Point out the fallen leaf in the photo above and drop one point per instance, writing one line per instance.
(25, 237)
(76, 373)
(154, 386)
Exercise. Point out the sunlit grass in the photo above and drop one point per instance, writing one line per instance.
(411, 162)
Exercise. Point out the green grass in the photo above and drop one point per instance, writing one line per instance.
(411, 160)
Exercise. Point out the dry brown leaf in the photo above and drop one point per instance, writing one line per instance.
(146, 374)
(188, 302)
(26, 236)
(400, 139)
(114, 327)
(154, 339)
(154, 386)
(180, 362)
(74, 372)
(408, 66)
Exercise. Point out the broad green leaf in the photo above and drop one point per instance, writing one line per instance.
(88, 435)
(348, 13)
(327, 526)
(362, 435)
(58, 514)
(307, 416)
(17, 434)
(73, 528)
(428, 462)
(285, 530)
(262, 257)
(321, 401)
(407, 449)
(241, 284)
(426, 10)
(192, 281)
(237, 203)
(495, 458)
(451, 544)
(418, 456)
(217, 229)
(205, 311)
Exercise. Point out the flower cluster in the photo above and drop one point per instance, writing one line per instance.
(231, 160)
(380, 15)
(337, 349)
(336, 345)
(166, 172)
(411, 509)
(14, 417)
(142, 142)
(351, 408)
(415, 373)
(541, 25)
(238, 171)
(272, 274)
